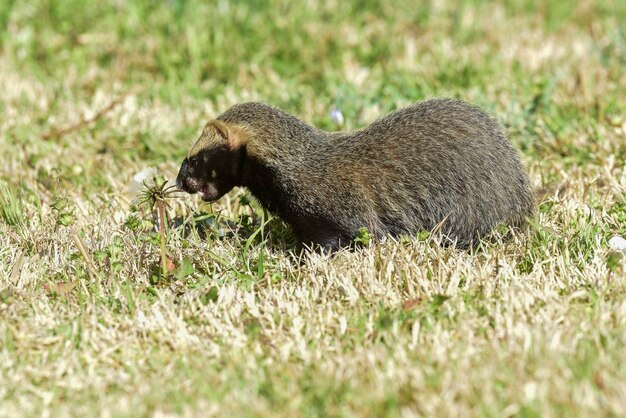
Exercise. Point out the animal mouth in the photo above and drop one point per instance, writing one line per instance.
(205, 193)
(208, 191)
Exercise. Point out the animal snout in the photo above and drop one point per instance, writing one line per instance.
(188, 184)
(191, 185)
(185, 180)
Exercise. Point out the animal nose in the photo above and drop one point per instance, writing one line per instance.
(183, 175)
(179, 181)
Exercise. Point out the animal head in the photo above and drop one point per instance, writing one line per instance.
(214, 164)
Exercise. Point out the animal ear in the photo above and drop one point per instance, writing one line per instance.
(235, 137)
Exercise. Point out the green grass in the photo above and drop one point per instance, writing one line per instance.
(244, 326)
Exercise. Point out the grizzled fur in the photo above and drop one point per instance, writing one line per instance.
(436, 165)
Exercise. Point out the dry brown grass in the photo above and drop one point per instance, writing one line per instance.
(531, 326)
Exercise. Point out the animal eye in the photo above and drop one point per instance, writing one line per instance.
(193, 162)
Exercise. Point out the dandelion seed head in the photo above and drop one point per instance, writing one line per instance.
(617, 243)
(144, 178)
(336, 116)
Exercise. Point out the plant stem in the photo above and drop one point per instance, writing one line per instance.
(162, 230)
(88, 262)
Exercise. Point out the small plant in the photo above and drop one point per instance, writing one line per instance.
(10, 208)
(423, 235)
(64, 211)
(154, 192)
(364, 237)
(65, 217)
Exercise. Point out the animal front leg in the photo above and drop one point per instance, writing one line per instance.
(324, 236)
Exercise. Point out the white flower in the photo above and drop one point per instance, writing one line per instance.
(617, 243)
(336, 116)
(144, 178)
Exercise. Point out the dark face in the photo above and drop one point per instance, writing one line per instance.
(211, 172)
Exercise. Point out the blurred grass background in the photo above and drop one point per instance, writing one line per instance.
(303, 55)
(534, 328)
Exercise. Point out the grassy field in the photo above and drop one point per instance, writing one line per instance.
(93, 93)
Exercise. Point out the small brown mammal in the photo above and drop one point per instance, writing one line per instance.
(440, 164)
